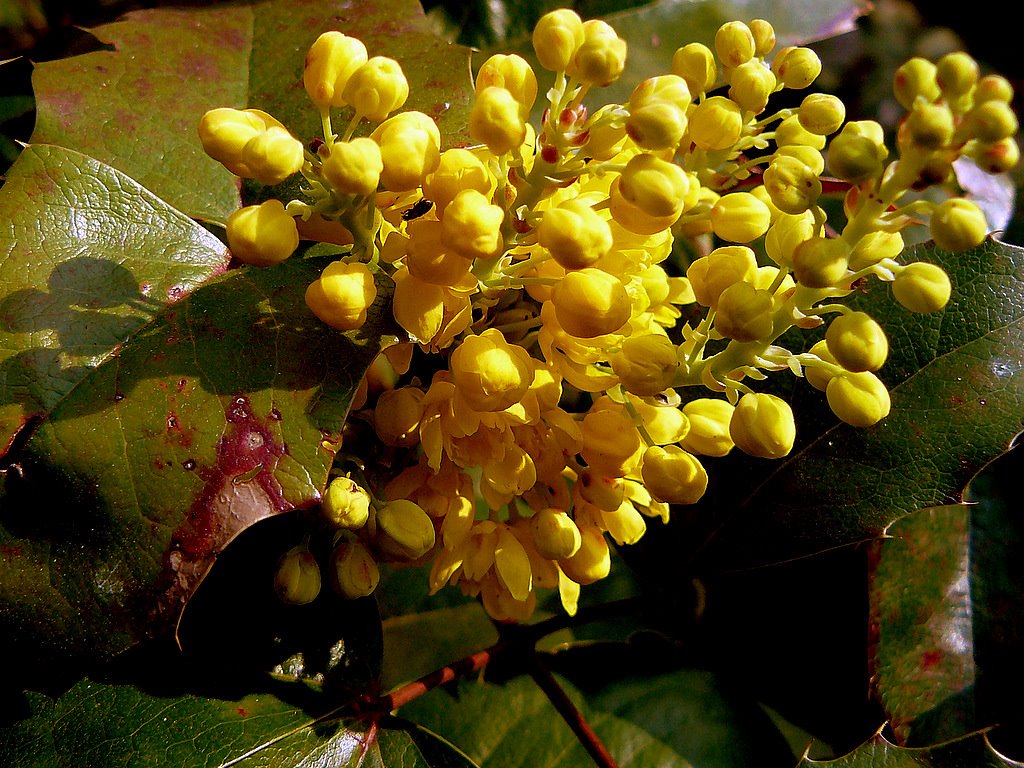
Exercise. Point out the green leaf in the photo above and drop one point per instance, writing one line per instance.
(136, 106)
(923, 654)
(957, 383)
(417, 644)
(97, 724)
(946, 602)
(705, 717)
(167, 421)
(87, 257)
(514, 724)
(972, 752)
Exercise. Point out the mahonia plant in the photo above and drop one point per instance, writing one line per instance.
(550, 394)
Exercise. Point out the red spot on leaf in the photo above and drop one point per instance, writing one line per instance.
(239, 490)
(930, 659)
(9, 551)
(242, 712)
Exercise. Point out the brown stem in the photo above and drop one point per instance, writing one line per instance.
(570, 713)
(412, 691)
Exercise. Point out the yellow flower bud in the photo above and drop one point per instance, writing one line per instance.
(592, 561)
(956, 74)
(709, 427)
(792, 132)
(657, 112)
(262, 235)
(859, 399)
(601, 57)
(602, 491)
(818, 376)
(297, 579)
(857, 342)
(404, 529)
(646, 364)
(751, 84)
(993, 88)
(611, 442)
(224, 132)
(471, 225)
(396, 417)
(998, 157)
(512, 73)
(856, 154)
(820, 262)
(930, 125)
(429, 259)
(764, 36)
(632, 218)
(657, 187)
(674, 476)
(377, 88)
(792, 186)
(821, 113)
(991, 121)
(695, 63)
(734, 43)
(354, 167)
(331, 60)
(797, 68)
(497, 120)
(874, 247)
(958, 224)
(915, 77)
(491, 374)
(664, 423)
(590, 302)
(418, 306)
(410, 147)
(555, 535)
(457, 169)
(740, 217)
(786, 234)
(922, 287)
(342, 295)
(762, 425)
(346, 504)
(624, 524)
(354, 572)
(710, 275)
(744, 313)
(575, 234)
(273, 155)
(716, 123)
(556, 38)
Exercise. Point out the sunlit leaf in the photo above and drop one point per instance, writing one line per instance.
(136, 104)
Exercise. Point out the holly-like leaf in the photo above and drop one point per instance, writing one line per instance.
(172, 413)
(947, 613)
(923, 651)
(98, 724)
(957, 383)
(136, 105)
(972, 752)
(87, 258)
(514, 725)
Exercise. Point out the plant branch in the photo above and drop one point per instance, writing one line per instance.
(571, 714)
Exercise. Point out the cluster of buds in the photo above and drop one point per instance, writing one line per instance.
(563, 400)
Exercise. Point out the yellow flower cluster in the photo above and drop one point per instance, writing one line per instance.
(562, 399)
